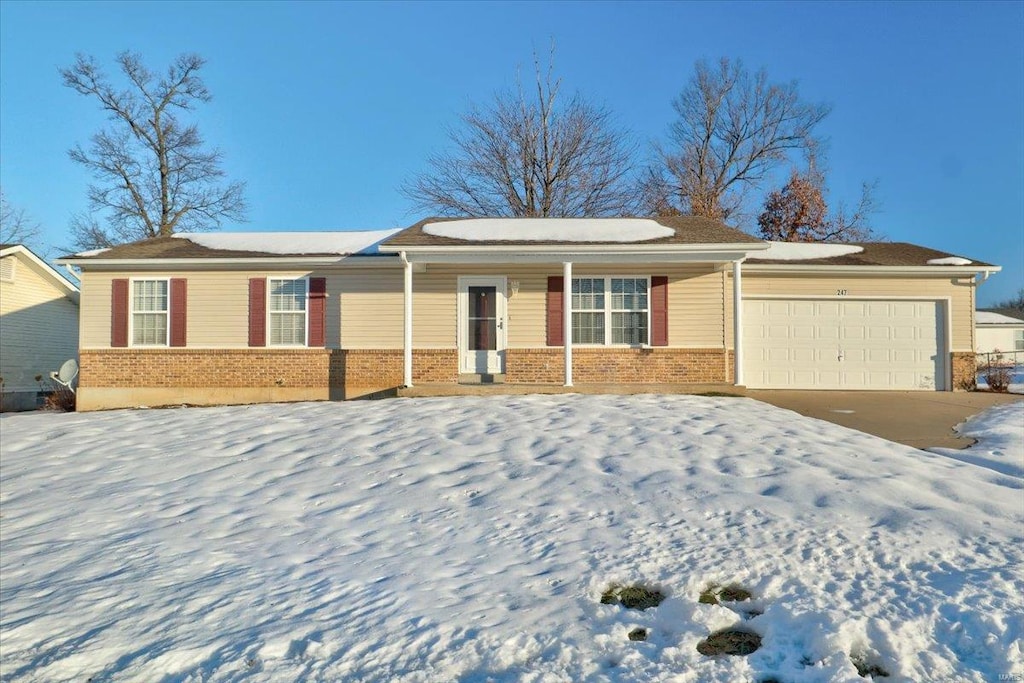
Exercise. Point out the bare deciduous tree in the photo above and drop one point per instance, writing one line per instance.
(15, 225)
(528, 154)
(154, 177)
(798, 211)
(733, 128)
(1014, 302)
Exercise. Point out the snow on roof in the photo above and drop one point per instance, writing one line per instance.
(805, 251)
(551, 229)
(93, 252)
(990, 318)
(353, 242)
(950, 261)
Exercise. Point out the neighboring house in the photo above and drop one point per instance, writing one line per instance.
(248, 317)
(999, 330)
(38, 324)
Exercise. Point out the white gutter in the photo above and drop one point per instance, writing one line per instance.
(571, 248)
(878, 270)
(361, 261)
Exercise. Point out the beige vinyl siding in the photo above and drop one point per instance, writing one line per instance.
(218, 306)
(38, 326)
(960, 292)
(365, 306)
(695, 303)
(371, 308)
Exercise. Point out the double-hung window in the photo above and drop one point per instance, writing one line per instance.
(1018, 340)
(610, 310)
(150, 308)
(287, 312)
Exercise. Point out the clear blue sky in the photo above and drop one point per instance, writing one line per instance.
(325, 108)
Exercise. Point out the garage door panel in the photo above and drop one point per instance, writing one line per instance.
(803, 308)
(879, 333)
(843, 344)
(826, 331)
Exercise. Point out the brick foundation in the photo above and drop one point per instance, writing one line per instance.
(367, 371)
(206, 368)
(112, 378)
(965, 370)
(617, 365)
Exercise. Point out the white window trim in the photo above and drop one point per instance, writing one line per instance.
(270, 313)
(132, 311)
(608, 310)
(1018, 340)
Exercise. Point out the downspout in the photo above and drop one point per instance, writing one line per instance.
(567, 319)
(407, 321)
(71, 269)
(737, 322)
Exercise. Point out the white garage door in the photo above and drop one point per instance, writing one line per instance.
(843, 344)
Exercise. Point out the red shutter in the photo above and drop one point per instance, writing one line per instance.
(556, 311)
(179, 308)
(119, 313)
(317, 310)
(257, 311)
(659, 310)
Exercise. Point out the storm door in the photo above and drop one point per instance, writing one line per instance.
(482, 331)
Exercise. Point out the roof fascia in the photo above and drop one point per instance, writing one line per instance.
(579, 254)
(235, 262)
(46, 269)
(886, 270)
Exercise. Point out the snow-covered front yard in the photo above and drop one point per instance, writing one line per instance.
(470, 539)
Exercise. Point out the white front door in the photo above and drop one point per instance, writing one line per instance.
(482, 325)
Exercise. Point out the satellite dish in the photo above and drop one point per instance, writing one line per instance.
(66, 375)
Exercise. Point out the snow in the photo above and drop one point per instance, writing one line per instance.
(990, 318)
(470, 539)
(950, 261)
(1000, 430)
(803, 251)
(622, 230)
(342, 243)
(93, 252)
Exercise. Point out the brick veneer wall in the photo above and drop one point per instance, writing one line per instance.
(165, 367)
(965, 370)
(611, 365)
(368, 367)
(221, 368)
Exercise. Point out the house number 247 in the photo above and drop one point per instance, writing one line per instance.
(840, 292)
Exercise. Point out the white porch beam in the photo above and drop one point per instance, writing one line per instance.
(737, 322)
(567, 319)
(407, 323)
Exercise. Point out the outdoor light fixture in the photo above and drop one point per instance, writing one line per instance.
(513, 288)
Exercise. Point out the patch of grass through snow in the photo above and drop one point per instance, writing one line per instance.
(632, 597)
(714, 594)
(637, 634)
(867, 669)
(730, 642)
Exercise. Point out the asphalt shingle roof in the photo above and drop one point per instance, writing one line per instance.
(689, 230)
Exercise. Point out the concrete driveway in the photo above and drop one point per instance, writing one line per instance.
(921, 419)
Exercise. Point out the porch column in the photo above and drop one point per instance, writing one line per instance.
(737, 322)
(407, 323)
(567, 319)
